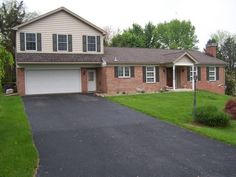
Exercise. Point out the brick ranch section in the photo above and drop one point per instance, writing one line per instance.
(112, 85)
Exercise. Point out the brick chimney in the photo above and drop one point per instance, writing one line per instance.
(211, 49)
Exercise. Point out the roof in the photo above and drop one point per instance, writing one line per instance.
(56, 11)
(115, 55)
(154, 56)
(55, 57)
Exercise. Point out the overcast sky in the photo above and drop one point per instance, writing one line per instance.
(207, 16)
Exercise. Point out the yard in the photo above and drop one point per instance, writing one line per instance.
(176, 108)
(18, 155)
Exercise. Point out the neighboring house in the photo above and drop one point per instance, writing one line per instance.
(60, 52)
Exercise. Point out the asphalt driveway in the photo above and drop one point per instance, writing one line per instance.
(87, 136)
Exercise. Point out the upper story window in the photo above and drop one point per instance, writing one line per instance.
(30, 41)
(91, 43)
(124, 71)
(62, 42)
(212, 73)
(150, 74)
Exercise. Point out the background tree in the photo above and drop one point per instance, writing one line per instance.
(172, 35)
(132, 37)
(176, 35)
(12, 13)
(110, 33)
(226, 51)
(6, 58)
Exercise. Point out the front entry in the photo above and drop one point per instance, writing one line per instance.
(91, 80)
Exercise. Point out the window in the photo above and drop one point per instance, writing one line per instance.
(150, 74)
(30, 39)
(91, 46)
(212, 73)
(192, 73)
(62, 42)
(124, 71)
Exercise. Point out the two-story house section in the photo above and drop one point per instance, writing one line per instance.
(56, 52)
(60, 52)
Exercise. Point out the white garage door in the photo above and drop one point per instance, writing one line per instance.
(52, 81)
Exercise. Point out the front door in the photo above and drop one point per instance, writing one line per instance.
(91, 80)
(169, 77)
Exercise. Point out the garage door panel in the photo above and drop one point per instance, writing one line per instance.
(52, 81)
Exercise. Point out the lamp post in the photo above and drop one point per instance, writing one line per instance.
(195, 95)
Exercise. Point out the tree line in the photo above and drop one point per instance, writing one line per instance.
(175, 34)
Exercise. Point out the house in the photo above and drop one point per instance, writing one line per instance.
(60, 52)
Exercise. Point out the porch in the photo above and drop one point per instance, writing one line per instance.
(179, 75)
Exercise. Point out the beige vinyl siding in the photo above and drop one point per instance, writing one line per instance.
(59, 23)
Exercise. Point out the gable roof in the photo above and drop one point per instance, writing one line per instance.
(121, 55)
(56, 11)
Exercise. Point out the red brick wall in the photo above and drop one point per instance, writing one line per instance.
(101, 80)
(20, 81)
(213, 86)
(134, 84)
(84, 80)
(114, 85)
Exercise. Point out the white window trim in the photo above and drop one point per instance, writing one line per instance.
(66, 42)
(36, 41)
(191, 72)
(209, 75)
(95, 43)
(123, 70)
(154, 74)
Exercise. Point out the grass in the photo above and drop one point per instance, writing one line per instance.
(18, 155)
(176, 107)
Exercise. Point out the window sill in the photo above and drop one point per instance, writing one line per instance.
(124, 77)
(151, 82)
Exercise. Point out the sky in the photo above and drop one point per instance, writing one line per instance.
(207, 16)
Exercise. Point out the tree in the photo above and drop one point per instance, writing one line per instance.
(226, 51)
(110, 33)
(132, 37)
(12, 13)
(172, 35)
(176, 35)
(6, 58)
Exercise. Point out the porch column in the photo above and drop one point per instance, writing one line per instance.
(193, 77)
(173, 77)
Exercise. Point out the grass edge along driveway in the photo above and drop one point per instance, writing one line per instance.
(176, 108)
(18, 155)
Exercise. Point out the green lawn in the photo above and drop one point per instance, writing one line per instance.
(176, 107)
(18, 155)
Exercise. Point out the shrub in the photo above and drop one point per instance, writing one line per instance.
(230, 107)
(230, 84)
(211, 116)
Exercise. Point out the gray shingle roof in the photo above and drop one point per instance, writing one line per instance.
(154, 56)
(113, 55)
(56, 57)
